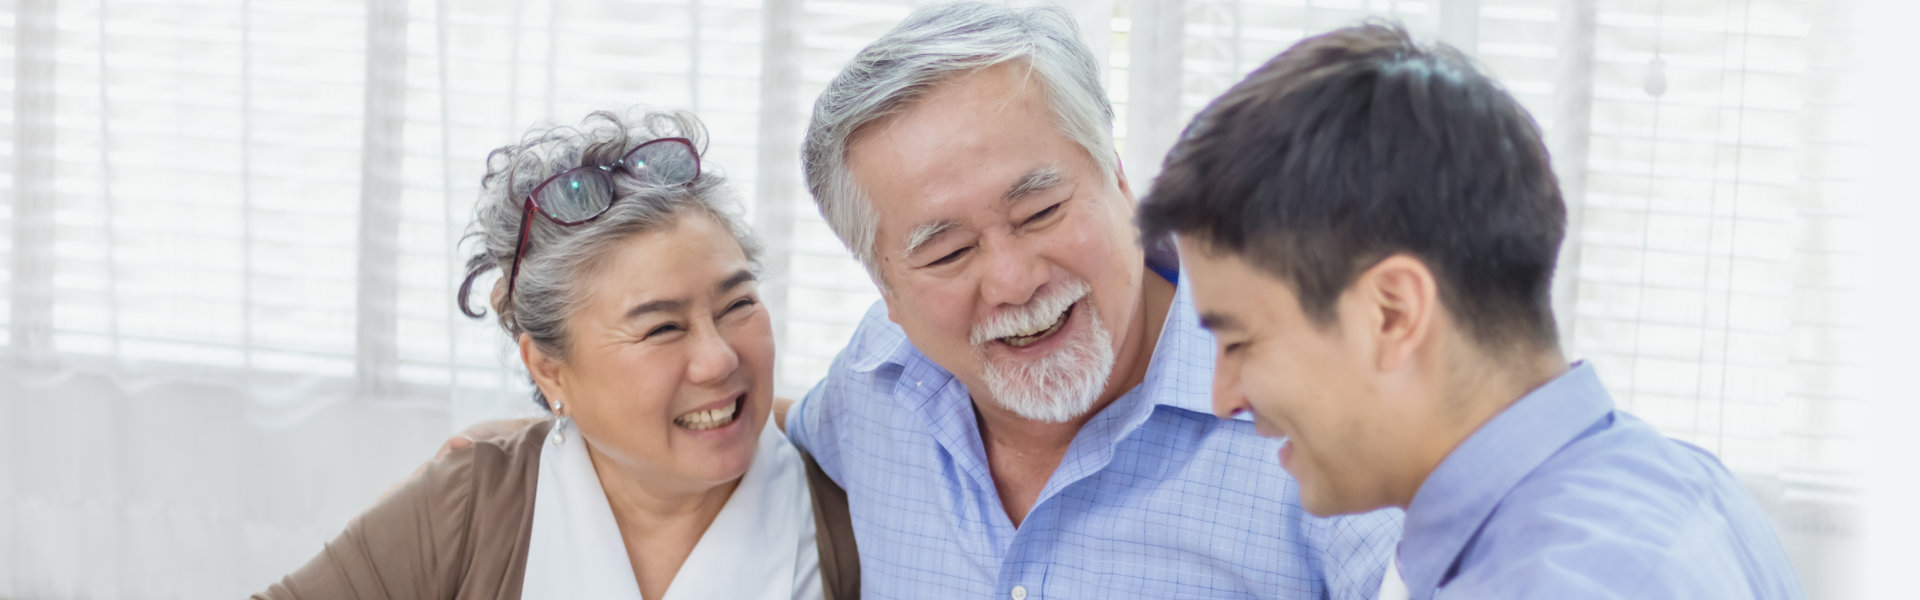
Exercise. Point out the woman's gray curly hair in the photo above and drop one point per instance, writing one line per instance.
(558, 256)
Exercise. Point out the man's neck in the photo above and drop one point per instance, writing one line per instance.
(650, 507)
(1476, 395)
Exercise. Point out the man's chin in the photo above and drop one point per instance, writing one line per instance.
(1055, 411)
(1060, 385)
(1059, 394)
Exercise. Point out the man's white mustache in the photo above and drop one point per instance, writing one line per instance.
(1036, 314)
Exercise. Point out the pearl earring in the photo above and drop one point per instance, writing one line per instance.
(558, 435)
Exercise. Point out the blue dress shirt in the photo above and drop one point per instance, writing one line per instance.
(1155, 498)
(1561, 496)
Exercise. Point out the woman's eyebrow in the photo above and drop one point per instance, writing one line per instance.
(734, 280)
(655, 306)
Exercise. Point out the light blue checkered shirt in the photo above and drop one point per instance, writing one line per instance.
(1156, 498)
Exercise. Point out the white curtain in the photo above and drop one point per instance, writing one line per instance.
(232, 233)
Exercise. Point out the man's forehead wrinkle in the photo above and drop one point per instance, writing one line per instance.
(1017, 92)
(927, 148)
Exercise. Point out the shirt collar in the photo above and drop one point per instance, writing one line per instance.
(1180, 374)
(1461, 493)
(890, 348)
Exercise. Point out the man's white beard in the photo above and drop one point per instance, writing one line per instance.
(1062, 385)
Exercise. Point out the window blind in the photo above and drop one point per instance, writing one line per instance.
(196, 181)
(270, 194)
(1713, 278)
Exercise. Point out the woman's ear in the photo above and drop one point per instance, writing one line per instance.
(545, 371)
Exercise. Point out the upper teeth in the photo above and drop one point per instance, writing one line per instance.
(1037, 330)
(1024, 339)
(708, 419)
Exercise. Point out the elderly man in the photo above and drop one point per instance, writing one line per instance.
(1370, 227)
(1025, 415)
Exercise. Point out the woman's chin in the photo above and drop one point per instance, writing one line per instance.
(721, 454)
(721, 469)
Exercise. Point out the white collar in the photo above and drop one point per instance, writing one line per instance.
(576, 550)
(1391, 586)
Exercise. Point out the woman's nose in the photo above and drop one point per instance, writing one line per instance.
(713, 357)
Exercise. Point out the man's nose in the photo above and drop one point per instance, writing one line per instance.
(1014, 274)
(1227, 398)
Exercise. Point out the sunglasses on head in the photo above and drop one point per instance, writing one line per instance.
(581, 194)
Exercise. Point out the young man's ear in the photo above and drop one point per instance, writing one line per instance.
(1402, 301)
(545, 371)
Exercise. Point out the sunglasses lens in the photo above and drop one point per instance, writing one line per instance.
(664, 162)
(576, 196)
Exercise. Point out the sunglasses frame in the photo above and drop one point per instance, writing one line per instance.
(531, 206)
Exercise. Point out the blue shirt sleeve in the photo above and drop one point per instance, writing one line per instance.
(806, 429)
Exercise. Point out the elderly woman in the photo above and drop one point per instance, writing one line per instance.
(631, 291)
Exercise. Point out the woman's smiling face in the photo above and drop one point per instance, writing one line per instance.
(669, 372)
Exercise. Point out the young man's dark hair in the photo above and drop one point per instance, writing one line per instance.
(1359, 144)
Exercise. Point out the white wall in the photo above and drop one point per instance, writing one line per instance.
(172, 492)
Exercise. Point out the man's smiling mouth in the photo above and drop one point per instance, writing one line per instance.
(1029, 338)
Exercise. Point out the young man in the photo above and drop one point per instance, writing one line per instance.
(1370, 228)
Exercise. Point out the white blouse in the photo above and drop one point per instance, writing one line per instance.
(760, 546)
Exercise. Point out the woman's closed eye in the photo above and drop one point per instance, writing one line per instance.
(742, 305)
(663, 329)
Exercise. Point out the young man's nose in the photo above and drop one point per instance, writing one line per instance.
(1227, 398)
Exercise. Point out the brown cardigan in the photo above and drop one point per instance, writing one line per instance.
(462, 527)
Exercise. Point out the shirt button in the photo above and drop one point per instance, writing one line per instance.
(1019, 592)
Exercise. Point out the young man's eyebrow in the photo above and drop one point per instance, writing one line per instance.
(1213, 321)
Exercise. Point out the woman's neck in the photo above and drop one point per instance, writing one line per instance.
(659, 524)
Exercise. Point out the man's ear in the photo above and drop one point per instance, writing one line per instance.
(545, 371)
(886, 297)
(1120, 177)
(1402, 302)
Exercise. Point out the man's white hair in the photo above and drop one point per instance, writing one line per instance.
(936, 43)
